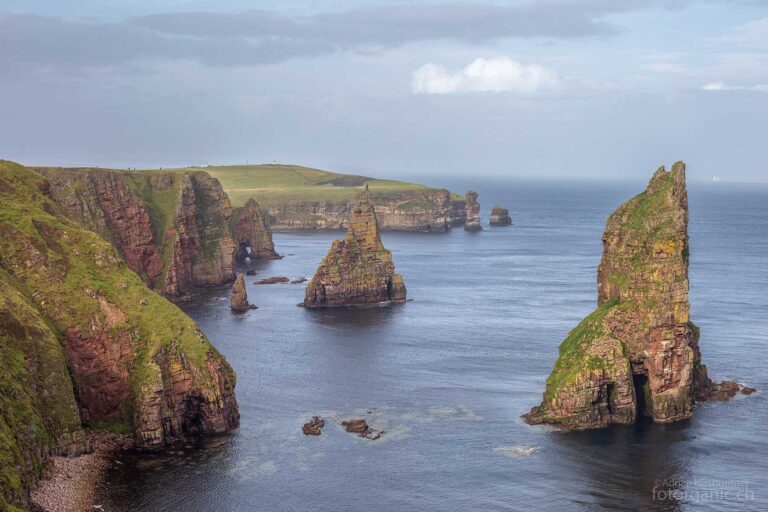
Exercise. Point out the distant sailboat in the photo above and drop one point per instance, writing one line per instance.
(715, 178)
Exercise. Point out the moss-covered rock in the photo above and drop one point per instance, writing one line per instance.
(84, 340)
(637, 354)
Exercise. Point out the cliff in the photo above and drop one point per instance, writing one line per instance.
(431, 210)
(297, 197)
(252, 233)
(472, 211)
(500, 217)
(637, 354)
(175, 229)
(84, 341)
(357, 270)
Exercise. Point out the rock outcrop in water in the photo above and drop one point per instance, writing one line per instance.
(172, 228)
(637, 354)
(428, 210)
(472, 208)
(500, 217)
(357, 270)
(252, 233)
(238, 301)
(84, 341)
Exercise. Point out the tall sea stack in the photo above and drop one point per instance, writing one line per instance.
(472, 208)
(252, 233)
(357, 270)
(637, 354)
(238, 301)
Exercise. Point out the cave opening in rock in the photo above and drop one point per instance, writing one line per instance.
(389, 288)
(609, 397)
(244, 251)
(640, 382)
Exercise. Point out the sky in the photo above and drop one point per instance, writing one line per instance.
(584, 89)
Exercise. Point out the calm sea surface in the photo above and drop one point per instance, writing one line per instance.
(448, 375)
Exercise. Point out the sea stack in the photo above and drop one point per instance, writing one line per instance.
(239, 300)
(500, 217)
(358, 270)
(637, 354)
(252, 233)
(472, 208)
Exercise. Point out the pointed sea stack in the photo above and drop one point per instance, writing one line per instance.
(637, 354)
(252, 233)
(239, 300)
(358, 270)
(472, 208)
(500, 217)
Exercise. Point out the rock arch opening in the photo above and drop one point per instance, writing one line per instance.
(640, 383)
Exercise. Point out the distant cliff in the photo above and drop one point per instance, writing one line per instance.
(84, 341)
(637, 354)
(175, 229)
(428, 210)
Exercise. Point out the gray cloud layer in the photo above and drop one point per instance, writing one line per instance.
(257, 36)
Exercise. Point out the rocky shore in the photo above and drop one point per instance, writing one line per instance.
(72, 482)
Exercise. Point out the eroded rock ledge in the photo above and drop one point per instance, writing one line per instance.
(357, 270)
(637, 354)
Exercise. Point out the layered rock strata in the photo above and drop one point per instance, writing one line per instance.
(500, 217)
(252, 233)
(239, 299)
(357, 270)
(429, 210)
(84, 341)
(175, 229)
(472, 209)
(637, 354)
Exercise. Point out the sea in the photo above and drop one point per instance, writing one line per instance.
(447, 376)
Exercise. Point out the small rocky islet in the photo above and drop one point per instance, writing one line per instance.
(500, 217)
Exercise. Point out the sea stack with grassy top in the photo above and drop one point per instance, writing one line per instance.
(472, 208)
(500, 217)
(637, 354)
(252, 233)
(358, 270)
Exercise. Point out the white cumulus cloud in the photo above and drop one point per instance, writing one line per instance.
(722, 86)
(486, 75)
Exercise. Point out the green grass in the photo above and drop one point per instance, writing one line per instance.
(271, 185)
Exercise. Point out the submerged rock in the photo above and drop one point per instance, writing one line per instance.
(273, 280)
(360, 427)
(252, 233)
(357, 270)
(500, 217)
(313, 427)
(239, 300)
(637, 354)
(723, 391)
(472, 208)
(299, 280)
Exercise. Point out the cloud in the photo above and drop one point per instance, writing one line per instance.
(722, 86)
(486, 75)
(252, 37)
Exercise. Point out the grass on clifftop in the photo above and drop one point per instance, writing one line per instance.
(279, 184)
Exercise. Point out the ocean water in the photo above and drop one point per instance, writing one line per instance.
(448, 375)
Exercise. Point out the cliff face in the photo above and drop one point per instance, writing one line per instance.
(420, 210)
(171, 228)
(252, 233)
(357, 270)
(637, 354)
(472, 209)
(84, 340)
(500, 217)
